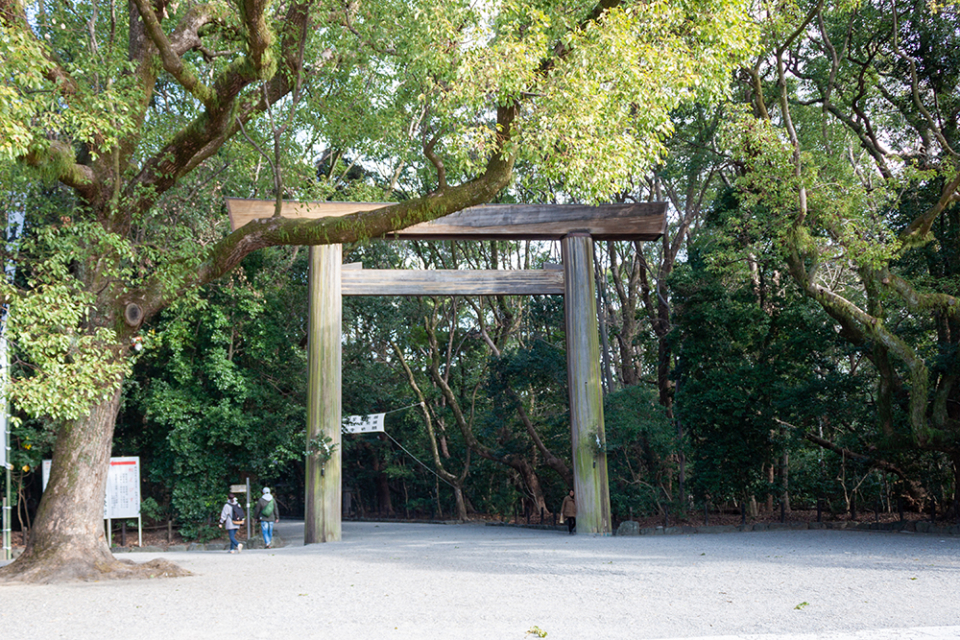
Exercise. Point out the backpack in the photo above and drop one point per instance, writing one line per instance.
(267, 511)
(238, 516)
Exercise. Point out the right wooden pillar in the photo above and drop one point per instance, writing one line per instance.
(591, 484)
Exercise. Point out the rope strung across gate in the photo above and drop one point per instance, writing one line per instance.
(404, 449)
(415, 458)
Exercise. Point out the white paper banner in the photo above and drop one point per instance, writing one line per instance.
(363, 424)
(122, 499)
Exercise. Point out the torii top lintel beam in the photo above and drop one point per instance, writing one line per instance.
(635, 221)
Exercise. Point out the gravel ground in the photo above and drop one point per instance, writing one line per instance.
(416, 581)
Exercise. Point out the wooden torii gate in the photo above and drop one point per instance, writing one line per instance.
(575, 226)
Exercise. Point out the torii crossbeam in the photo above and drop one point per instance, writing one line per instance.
(575, 226)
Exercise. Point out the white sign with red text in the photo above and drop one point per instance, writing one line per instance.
(122, 499)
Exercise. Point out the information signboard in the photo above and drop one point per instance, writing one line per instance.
(122, 499)
(123, 489)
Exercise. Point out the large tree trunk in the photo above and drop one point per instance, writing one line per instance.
(68, 541)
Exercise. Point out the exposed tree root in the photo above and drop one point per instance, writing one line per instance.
(35, 571)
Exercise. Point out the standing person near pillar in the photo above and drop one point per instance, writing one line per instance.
(267, 513)
(231, 518)
(568, 510)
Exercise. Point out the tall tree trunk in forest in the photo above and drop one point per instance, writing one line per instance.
(771, 478)
(609, 382)
(460, 502)
(382, 483)
(785, 480)
(533, 497)
(955, 503)
(627, 287)
(384, 503)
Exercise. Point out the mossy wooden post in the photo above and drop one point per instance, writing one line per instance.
(590, 482)
(322, 518)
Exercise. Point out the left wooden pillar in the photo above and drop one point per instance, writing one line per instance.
(322, 516)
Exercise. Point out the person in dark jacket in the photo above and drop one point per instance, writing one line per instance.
(568, 511)
(268, 513)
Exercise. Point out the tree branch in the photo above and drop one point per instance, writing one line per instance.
(552, 460)
(434, 450)
(170, 58)
(917, 301)
(920, 227)
(915, 86)
(855, 318)
(77, 176)
(914, 490)
(205, 134)
(227, 253)
(186, 36)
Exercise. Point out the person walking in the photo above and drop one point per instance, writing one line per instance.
(568, 510)
(229, 520)
(267, 513)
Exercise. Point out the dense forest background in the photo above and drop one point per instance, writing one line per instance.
(792, 339)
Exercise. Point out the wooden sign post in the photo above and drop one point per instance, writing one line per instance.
(576, 227)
